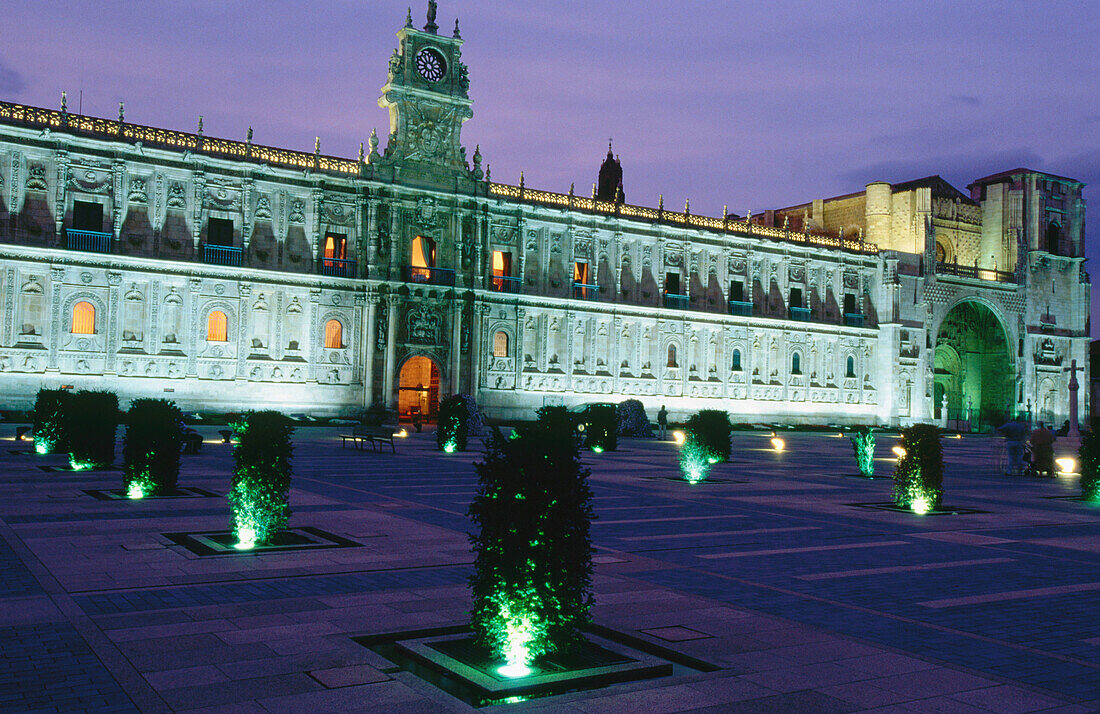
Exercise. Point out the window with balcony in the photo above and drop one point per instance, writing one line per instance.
(503, 281)
(737, 303)
(83, 318)
(796, 298)
(217, 327)
(86, 232)
(334, 335)
(583, 287)
(421, 259)
(334, 256)
(798, 309)
(674, 296)
(87, 216)
(219, 231)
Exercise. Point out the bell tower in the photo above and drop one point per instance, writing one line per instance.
(427, 94)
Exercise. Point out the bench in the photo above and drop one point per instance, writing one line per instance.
(376, 436)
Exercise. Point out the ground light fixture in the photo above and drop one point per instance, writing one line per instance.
(778, 444)
(920, 505)
(899, 451)
(679, 437)
(402, 433)
(135, 492)
(597, 449)
(1067, 465)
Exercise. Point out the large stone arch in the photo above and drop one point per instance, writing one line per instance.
(974, 363)
(420, 380)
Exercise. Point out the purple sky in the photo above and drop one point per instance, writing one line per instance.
(754, 105)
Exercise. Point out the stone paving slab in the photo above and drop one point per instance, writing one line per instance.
(804, 602)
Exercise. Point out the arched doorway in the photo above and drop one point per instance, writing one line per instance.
(418, 390)
(974, 367)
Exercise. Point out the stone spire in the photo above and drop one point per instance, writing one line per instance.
(610, 184)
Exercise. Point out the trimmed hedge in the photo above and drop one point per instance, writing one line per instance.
(50, 436)
(633, 421)
(863, 441)
(919, 473)
(601, 431)
(710, 430)
(259, 497)
(532, 514)
(151, 447)
(1088, 460)
(459, 419)
(91, 423)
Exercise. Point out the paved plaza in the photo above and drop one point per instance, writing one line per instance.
(781, 574)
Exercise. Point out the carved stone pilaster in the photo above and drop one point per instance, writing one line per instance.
(114, 281)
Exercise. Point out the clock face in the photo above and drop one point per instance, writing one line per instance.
(431, 65)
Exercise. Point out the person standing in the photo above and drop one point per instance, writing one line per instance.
(662, 423)
(1015, 433)
(1042, 450)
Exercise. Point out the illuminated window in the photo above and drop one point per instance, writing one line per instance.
(83, 318)
(796, 363)
(580, 272)
(502, 268)
(336, 248)
(500, 344)
(851, 371)
(422, 259)
(217, 327)
(736, 366)
(334, 334)
(672, 356)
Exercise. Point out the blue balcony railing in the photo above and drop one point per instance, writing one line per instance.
(429, 276)
(506, 284)
(800, 314)
(676, 302)
(88, 241)
(586, 291)
(740, 308)
(337, 267)
(853, 319)
(222, 255)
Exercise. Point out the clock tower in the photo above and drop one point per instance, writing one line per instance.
(427, 94)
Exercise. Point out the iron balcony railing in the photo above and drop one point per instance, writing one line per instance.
(87, 241)
(740, 308)
(429, 276)
(222, 255)
(853, 319)
(800, 314)
(586, 291)
(974, 272)
(676, 302)
(338, 267)
(506, 284)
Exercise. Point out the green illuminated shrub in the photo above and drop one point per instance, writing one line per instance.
(151, 447)
(863, 441)
(918, 476)
(459, 419)
(601, 432)
(695, 459)
(533, 572)
(1088, 463)
(261, 476)
(633, 421)
(91, 420)
(49, 421)
(710, 429)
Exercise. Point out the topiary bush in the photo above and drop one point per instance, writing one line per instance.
(151, 447)
(918, 476)
(710, 430)
(459, 419)
(1088, 460)
(601, 431)
(863, 441)
(633, 420)
(259, 497)
(533, 571)
(91, 421)
(49, 421)
(374, 415)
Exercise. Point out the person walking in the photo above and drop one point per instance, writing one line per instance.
(662, 423)
(1015, 433)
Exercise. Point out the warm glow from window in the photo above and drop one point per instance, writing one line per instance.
(580, 273)
(83, 318)
(217, 327)
(336, 248)
(500, 344)
(423, 252)
(334, 335)
(502, 263)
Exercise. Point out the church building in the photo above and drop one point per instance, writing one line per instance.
(228, 275)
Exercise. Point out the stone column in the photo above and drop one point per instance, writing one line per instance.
(369, 330)
(1074, 430)
(389, 389)
(456, 347)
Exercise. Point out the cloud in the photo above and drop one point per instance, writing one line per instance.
(11, 82)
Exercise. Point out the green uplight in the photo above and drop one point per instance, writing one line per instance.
(597, 449)
(76, 465)
(449, 447)
(135, 491)
(920, 505)
(695, 463)
(246, 538)
(41, 447)
(519, 633)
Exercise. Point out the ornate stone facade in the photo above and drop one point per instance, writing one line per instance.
(331, 273)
